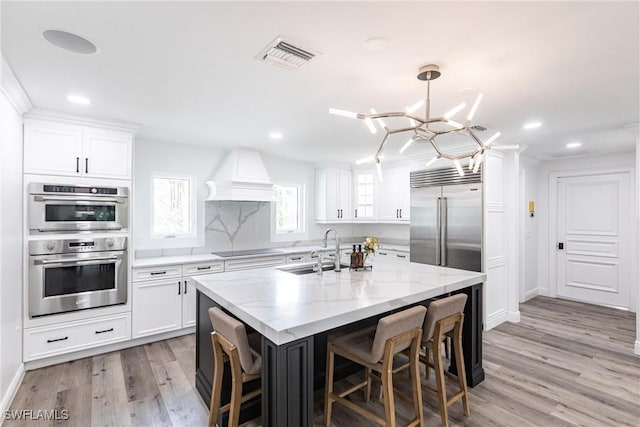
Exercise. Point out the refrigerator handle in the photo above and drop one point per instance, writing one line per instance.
(438, 229)
(443, 230)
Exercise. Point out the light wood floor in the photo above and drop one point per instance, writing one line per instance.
(564, 364)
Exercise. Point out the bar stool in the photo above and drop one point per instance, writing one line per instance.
(230, 343)
(374, 348)
(444, 320)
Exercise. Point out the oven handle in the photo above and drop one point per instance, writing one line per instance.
(79, 199)
(74, 260)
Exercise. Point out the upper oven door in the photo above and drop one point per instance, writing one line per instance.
(74, 213)
(68, 282)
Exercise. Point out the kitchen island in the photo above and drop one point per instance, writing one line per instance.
(294, 313)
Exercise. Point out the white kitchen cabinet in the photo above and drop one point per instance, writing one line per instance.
(393, 255)
(393, 203)
(333, 195)
(365, 195)
(254, 262)
(164, 297)
(53, 148)
(107, 154)
(157, 307)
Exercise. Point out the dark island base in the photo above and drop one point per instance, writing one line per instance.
(292, 371)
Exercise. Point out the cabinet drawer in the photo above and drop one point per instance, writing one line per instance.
(59, 339)
(393, 255)
(202, 268)
(253, 262)
(296, 258)
(159, 272)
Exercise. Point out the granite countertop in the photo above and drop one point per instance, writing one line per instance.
(284, 307)
(208, 257)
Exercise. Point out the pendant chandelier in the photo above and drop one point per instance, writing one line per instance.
(423, 129)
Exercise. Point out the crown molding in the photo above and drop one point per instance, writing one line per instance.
(12, 89)
(56, 116)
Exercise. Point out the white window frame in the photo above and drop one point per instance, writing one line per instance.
(301, 232)
(193, 215)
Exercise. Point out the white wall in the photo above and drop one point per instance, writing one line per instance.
(529, 191)
(546, 246)
(11, 199)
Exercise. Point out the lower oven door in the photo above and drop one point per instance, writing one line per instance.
(69, 282)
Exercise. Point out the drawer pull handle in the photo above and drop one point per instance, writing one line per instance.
(382, 253)
(106, 330)
(401, 256)
(296, 258)
(157, 273)
(58, 339)
(204, 268)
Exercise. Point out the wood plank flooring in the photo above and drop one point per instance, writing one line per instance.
(564, 364)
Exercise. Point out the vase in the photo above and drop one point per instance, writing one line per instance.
(368, 260)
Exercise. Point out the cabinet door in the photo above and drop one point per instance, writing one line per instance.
(345, 195)
(188, 303)
(52, 150)
(107, 154)
(157, 307)
(404, 189)
(364, 188)
(390, 200)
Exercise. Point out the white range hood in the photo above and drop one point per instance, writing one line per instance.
(242, 177)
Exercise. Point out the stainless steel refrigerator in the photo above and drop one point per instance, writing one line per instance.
(446, 218)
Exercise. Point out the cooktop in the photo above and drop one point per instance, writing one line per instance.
(267, 251)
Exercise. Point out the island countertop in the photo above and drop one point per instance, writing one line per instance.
(284, 307)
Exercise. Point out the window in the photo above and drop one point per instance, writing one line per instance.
(365, 195)
(288, 209)
(173, 207)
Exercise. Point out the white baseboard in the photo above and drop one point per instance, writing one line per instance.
(513, 316)
(530, 294)
(636, 347)
(11, 390)
(495, 319)
(543, 292)
(36, 364)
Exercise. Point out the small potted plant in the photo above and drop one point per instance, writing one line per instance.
(370, 246)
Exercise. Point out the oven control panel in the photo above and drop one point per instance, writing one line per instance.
(61, 246)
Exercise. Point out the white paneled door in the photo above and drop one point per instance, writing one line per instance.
(593, 242)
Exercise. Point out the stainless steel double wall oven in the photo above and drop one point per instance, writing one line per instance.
(79, 259)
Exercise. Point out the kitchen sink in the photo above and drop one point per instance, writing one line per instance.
(301, 269)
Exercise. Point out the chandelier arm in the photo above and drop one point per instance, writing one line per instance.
(475, 138)
(382, 144)
(435, 147)
(403, 130)
(391, 114)
(447, 131)
(428, 103)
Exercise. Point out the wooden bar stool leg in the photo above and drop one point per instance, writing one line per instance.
(236, 393)
(367, 390)
(414, 371)
(328, 389)
(462, 376)
(440, 385)
(387, 387)
(426, 361)
(216, 389)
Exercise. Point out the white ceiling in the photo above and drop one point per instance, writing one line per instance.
(186, 71)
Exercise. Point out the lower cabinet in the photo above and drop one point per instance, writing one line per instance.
(53, 340)
(164, 297)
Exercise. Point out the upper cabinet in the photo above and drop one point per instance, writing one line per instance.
(358, 196)
(52, 148)
(393, 202)
(333, 195)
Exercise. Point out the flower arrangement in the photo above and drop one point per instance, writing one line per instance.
(371, 245)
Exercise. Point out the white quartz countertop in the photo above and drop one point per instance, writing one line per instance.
(284, 307)
(195, 258)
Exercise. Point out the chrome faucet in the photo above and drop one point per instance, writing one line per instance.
(336, 256)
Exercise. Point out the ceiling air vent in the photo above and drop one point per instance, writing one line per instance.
(285, 54)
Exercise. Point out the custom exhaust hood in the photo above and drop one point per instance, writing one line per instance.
(242, 177)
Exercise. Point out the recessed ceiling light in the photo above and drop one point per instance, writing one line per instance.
(374, 44)
(77, 99)
(574, 144)
(532, 125)
(70, 42)
(275, 135)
